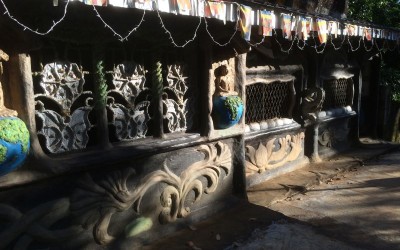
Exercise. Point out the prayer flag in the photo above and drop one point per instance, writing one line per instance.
(144, 4)
(266, 22)
(245, 21)
(352, 30)
(286, 22)
(322, 30)
(184, 7)
(163, 5)
(96, 2)
(368, 34)
(217, 10)
(377, 33)
(333, 28)
(306, 23)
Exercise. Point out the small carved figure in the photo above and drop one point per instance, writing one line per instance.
(3, 110)
(222, 88)
(312, 103)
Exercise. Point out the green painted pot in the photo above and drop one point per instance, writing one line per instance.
(227, 111)
(14, 144)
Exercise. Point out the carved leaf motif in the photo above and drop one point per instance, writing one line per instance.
(130, 123)
(261, 157)
(62, 136)
(280, 154)
(129, 117)
(296, 144)
(250, 153)
(62, 82)
(97, 201)
(174, 102)
(266, 157)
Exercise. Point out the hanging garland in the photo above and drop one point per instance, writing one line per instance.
(245, 17)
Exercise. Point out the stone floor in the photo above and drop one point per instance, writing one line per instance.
(351, 201)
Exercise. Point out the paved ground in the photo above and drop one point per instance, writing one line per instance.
(349, 202)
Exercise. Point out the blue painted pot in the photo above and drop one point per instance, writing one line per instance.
(14, 144)
(223, 116)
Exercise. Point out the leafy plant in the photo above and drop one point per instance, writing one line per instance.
(232, 103)
(390, 76)
(101, 93)
(157, 79)
(384, 12)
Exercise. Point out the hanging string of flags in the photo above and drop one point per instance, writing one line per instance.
(267, 20)
(295, 27)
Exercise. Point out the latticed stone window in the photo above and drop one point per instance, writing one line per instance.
(63, 107)
(266, 101)
(338, 93)
(65, 104)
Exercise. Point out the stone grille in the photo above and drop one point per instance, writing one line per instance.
(266, 101)
(336, 93)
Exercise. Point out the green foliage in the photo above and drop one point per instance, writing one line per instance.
(390, 76)
(383, 12)
(157, 79)
(3, 153)
(232, 103)
(14, 131)
(101, 84)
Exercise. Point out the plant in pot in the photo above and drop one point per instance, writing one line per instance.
(14, 136)
(227, 105)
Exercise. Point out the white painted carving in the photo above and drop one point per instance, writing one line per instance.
(175, 104)
(270, 155)
(96, 202)
(64, 129)
(129, 117)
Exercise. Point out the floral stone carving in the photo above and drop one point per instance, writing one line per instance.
(227, 105)
(275, 153)
(175, 104)
(330, 136)
(130, 114)
(63, 128)
(96, 202)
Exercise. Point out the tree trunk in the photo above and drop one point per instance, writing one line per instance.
(395, 131)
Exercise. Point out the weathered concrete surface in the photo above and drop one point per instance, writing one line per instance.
(353, 197)
(351, 201)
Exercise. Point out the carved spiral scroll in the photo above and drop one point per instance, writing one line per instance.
(97, 201)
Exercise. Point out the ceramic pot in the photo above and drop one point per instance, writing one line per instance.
(226, 114)
(14, 143)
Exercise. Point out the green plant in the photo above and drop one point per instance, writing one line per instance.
(157, 79)
(390, 76)
(13, 131)
(232, 103)
(101, 93)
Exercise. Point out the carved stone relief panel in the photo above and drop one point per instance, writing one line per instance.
(274, 153)
(128, 101)
(63, 107)
(333, 134)
(103, 206)
(175, 102)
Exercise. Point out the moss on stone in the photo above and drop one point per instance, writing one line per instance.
(232, 103)
(3, 153)
(14, 131)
